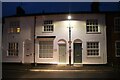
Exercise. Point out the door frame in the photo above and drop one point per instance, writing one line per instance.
(62, 42)
(77, 41)
(27, 51)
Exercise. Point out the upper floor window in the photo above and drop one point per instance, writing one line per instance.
(48, 26)
(92, 48)
(14, 27)
(13, 49)
(117, 48)
(92, 26)
(13, 30)
(117, 24)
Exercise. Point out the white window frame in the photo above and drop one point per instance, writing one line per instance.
(48, 23)
(46, 49)
(116, 48)
(116, 24)
(17, 49)
(98, 27)
(93, 49)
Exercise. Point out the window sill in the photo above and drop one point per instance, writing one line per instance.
(45, 58)
(48, 32)
(13, 33)
(117, 32)
(93, 32)
(118, 56)
(12, 56)
(93, 56)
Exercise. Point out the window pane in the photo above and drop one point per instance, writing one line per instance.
(18, 30)
(118, 52)
(92, 48)
(118, 48)
(14, 27)
(93, 25)
(46, 49)
(13, 49)
(118, 45)
(48, 26)
(117, 24)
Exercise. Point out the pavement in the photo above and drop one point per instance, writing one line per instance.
(23, 71)
(49, 67)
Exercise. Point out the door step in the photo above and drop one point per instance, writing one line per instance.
(78, 65)
(62, 64)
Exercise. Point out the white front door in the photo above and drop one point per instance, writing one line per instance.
(62, 53)
(28, 51)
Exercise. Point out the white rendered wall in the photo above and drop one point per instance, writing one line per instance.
(78, 24)
(26, 25)
(61, 31)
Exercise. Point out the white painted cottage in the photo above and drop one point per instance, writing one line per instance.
(45, 38)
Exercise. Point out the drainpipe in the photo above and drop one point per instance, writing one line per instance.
(34, 39)
(69, 18)
(70, 45)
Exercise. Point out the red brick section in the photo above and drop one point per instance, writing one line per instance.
(111, 38)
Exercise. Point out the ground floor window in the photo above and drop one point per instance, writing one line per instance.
(92, 48)
(45, 49)
(117, 48)
(13, 49)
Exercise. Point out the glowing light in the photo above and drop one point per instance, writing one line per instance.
(18, 30)
(44, 70)
(69, 17)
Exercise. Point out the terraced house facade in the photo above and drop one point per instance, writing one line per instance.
(52, 38)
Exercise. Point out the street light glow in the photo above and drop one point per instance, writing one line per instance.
(69, 17)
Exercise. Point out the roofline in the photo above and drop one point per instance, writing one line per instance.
(82, 12)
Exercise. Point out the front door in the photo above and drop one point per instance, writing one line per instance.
(77, 52)
(62, 53)
(28, 50)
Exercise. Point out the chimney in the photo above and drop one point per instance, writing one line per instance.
(119, 5)
(20, 11)
(95, 7)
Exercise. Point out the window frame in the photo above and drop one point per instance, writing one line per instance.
(14, 54)
(116, 48)
(46, 49)
(115, 24)
(93, 25)
(93, 49)
(48, 23)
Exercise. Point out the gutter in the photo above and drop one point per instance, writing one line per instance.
(34, 39)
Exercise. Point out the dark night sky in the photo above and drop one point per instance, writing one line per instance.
(9, 8)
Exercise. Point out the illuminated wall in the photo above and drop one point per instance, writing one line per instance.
(61, 33)
(23, 38)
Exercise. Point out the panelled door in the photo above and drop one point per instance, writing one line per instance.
(62, 53)
(28, 50)
(77, 52)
